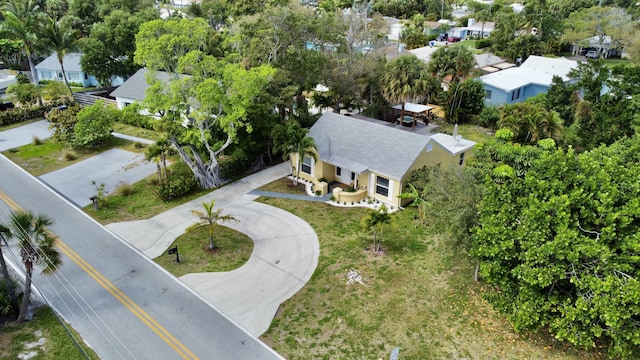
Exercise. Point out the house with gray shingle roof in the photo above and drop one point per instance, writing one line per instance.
(375, 160)
(135, 88)
(50, 70)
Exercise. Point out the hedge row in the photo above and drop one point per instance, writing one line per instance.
(141, 121)
(17, 115)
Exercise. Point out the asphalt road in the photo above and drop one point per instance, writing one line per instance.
(122, 304)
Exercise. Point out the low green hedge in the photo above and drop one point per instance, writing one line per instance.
(16, 115)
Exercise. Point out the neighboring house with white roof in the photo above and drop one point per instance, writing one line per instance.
(50, 70)
(375, 159)
(533, 77)
(603, 45)
(394, 28)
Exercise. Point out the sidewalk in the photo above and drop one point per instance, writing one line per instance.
(284, 257)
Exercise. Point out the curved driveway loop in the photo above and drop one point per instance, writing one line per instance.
(284, 257)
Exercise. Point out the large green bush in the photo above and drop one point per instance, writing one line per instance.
(180, 182)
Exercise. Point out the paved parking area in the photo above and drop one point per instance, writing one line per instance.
(111, 167)
(23, 135)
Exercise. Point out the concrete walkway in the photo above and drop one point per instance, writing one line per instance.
(284, 257)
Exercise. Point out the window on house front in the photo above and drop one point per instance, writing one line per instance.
(429, 147)
(461, 159)
(47, 75)
(306, 165)
(86, 77)
(338, 171)
(487, 94)
(73, 76)
(382, 186)
(353, 176)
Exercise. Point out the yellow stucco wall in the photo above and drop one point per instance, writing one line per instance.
(437, 155)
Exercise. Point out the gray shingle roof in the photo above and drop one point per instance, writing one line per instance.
(136, 86)
(359, 143)
(71, 62)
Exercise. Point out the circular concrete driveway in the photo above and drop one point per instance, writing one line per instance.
(284, 257)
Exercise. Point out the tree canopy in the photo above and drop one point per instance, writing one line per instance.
(559, 239)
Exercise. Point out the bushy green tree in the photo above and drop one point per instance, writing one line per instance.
(94, 124)
(558, 239)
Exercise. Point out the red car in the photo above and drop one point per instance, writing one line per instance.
(453, 39)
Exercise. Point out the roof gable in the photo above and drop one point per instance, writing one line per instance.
(366, 145)
(136, 86)
(71, 62)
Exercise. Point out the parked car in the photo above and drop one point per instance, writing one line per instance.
(591, 54)
(453, 39)
(441, 37)
(6, 105)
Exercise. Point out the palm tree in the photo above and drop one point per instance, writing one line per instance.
(419, 200)
(21, 23)
(376, 220)
(406, 79)
(291, 138)
(5, 273)
(210, 218)
(36, 245)
(53, 37)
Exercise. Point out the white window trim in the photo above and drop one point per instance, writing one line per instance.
(389, 187)
(311, 165)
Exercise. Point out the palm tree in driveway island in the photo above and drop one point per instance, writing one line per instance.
(209, 217)
(290, 138)
(37, 247)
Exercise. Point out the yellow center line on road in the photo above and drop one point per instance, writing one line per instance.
(165, 335)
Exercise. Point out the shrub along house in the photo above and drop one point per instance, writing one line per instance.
(373, 160)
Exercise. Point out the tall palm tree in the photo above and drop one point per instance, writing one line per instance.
(406, 79)
(376, 220)
(21, 23)
(53, 37)
(5, 273)
(36, 245)
(290, 138)
(209, 218)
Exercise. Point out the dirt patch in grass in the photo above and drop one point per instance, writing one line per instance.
(232, 250)
(419, 296)
(285, 186)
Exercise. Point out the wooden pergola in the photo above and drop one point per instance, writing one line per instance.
(413, 110)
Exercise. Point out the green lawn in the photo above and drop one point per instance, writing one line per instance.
(233, 249)
(418, 295)
(137, 131)
(142, 204)
(58, 345)
(468, 131)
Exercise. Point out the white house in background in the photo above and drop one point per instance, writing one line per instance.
(394, 28)
(533, 77)
(604, 45)
(460, 11)
(480, 29)
(50, 69)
